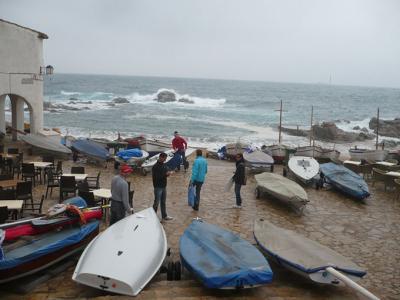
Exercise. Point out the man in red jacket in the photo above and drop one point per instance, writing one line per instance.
(179, 144)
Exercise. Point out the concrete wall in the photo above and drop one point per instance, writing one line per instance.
(21, 56)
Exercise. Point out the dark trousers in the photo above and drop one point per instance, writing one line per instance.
(182, 154)
(117, 211)
(160, 195)
(237, 193)
(198, 185)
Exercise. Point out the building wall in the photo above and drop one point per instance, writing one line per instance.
(21, 56)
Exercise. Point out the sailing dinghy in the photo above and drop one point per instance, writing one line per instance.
(304, 168)
(126, 256)
(307, 258)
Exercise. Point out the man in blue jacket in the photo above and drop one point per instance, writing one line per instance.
(199, 171)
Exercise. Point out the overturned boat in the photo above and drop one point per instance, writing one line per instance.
(124, 257)
(46, 144)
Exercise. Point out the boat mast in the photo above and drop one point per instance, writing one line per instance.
(377, 130)
(280, 122)
(311, 128)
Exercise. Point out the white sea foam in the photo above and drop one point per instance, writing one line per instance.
(70, 93)
(197, 101)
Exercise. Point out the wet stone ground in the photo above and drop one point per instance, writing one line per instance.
(367, 233)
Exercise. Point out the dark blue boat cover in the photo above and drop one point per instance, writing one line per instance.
(345, 180)
(127, 154)
(221, 259)
(90, 148)
(45, 244)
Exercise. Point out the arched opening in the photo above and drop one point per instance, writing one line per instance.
(16, 115)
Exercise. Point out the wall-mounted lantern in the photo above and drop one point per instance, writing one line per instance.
(49, 70)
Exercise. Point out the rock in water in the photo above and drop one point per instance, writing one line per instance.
(186, 100)
(120, 100)
(389, 128)
(166, 96)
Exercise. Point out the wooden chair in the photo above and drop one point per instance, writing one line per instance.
(77, 170)
(67, 186)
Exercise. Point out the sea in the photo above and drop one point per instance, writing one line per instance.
(220, 111)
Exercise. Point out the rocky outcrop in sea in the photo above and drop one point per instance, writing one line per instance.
(390, 128)
(329, 132)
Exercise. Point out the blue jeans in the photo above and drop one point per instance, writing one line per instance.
(160, 195)
(198, 185)
(182, 154)
(237, 193)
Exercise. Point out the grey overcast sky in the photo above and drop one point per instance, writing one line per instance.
(357, 42)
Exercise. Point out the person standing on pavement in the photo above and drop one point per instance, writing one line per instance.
(239, 178)
(160, 174)
(120, 195)
(179, 145)
(199, 171)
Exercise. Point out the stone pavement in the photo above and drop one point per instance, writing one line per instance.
(367, 233)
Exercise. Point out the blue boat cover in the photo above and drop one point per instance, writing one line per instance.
(77, 201)
(90, 148)
(221, 259)
(129, 153)
(45, 244)
(345, 180)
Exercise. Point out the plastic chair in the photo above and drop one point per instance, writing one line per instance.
(67, 186)
(94, 181)
(7, 194)
(24, 191)
(77, 170)
(3, 214)
(378, 176)
(12, 150)
(53, 181)
(36, 207)
(28, 172)
(88, 197)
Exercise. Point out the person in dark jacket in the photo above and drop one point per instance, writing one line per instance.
(160, 174)
(239, 178)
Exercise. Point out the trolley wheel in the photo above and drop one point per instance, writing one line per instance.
(258, 193)
(178, 270)
(284, 172)
(272, 168)
(170, 271)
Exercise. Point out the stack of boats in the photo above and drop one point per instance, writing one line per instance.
(29, 246)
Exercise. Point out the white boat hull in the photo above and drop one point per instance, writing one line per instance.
(317, 152)
(154, 145)
(304, 168)
(149, 163)
(376, 155)
(126, 256)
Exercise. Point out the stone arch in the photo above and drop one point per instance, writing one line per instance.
(17, 108)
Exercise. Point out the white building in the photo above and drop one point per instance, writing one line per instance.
(21, 75)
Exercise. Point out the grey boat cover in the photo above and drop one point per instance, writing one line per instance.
(46, 143)
(258, 158)
(280, 186)
(300, 252)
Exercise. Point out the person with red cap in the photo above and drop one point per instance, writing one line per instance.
(120, 206)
